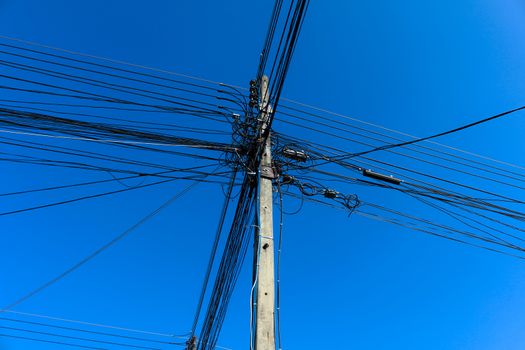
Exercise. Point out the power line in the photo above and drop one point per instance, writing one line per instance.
(463, 127)
(31, 43)
(99, 250)
(421, 149)
(247, 133)
(84, 323)
(402, 133)
(88, 331)
(411, 171)
(79, 338)
(413, 226)
(97, 195)
(344, 156)
(213, 251)
(50, 341)
(88, 183)
(104, 326)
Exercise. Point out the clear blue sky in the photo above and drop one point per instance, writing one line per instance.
(347, 283)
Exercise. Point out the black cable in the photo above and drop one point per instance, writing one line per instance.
(478, 165)
(412, 227)
(79, 338)
(85, 95)
(90, 130)
(462, 160)
(406, 143)
(50, 341)
(213, 251)
(104, 73)
(110, 86)
(411, 171)
(69, 201)
(344, 157)
(229, 268)
(52, 188)
(99, 65)
(143, 125)
(88, 331)
(99, 250)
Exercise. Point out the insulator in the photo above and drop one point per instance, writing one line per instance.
(330, 193)
(300, 156)
(378, 176)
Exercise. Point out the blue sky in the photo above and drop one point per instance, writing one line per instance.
(347, 282)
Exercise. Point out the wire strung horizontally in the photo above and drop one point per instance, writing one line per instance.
(326, 115)
(363, 132)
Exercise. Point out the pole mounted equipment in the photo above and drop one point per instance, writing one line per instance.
(254, 94)
(298, 155)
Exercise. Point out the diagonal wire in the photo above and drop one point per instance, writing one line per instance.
(213, 251)
(463, 127)
(49, 341)
(99, 250)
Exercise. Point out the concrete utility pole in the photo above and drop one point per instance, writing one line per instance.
(265, 320)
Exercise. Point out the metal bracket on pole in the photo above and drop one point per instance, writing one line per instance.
(268, 172)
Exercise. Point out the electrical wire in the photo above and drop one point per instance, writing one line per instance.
(91, 324)
(213, 251)
(50, 341)
(460, 128)
(79, 338)
(95, 253)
